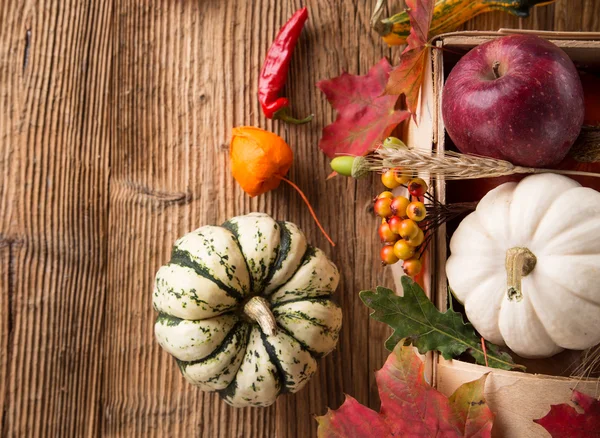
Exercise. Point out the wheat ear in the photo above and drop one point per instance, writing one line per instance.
(449, 165)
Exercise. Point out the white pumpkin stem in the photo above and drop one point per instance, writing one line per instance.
(519, 263)
(258, 310)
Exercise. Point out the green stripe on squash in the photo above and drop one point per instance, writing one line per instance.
(183, 258)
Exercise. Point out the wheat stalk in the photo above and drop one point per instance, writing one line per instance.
(590, 363)
(587, 146)
(449, 165)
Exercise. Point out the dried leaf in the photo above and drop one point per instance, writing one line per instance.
(411, 407)
(351, 420)
(407, 77)
(420, 14)
(469, 408)
(563, 421)
(414, 317)
(365, 116)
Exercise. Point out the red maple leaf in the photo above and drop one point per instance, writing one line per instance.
(410, 407)
(365, 116)
(407, 77)
(563, 421)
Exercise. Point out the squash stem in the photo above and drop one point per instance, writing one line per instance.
(519, 263)
(257, 309)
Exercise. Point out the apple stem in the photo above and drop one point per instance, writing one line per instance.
(496, 69)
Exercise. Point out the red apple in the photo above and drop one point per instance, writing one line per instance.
(518, 98)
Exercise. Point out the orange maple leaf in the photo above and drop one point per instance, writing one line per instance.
(410, 407)
(365, 115)
(407, 77)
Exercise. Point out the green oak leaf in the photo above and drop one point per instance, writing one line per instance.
(414, 317)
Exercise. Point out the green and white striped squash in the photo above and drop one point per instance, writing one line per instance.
(245, 308)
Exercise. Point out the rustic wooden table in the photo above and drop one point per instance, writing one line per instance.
(115, 118)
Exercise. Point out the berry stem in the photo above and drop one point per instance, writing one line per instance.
(484, 351)
(312, 212)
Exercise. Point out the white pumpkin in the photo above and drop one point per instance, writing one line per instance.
(245, 308)
(526, 266)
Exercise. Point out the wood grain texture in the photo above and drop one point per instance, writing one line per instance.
(55, 60)
(115, 119)
(179, 90)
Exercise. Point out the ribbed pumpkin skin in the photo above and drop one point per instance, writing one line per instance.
(559, 222)
(200, 295)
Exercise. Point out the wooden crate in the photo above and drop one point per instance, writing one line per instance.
(516, 397)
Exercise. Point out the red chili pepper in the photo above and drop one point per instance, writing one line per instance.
(275, 69)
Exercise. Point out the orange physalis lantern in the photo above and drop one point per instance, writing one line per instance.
(259, 159)
(259, 162)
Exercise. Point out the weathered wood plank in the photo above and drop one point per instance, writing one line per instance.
(6, 277)
(54, 145)
(568, 15)
(591, 16)
(186, 73)
(341, 204)
(179, 85)
(179, 90)
(149, 92)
